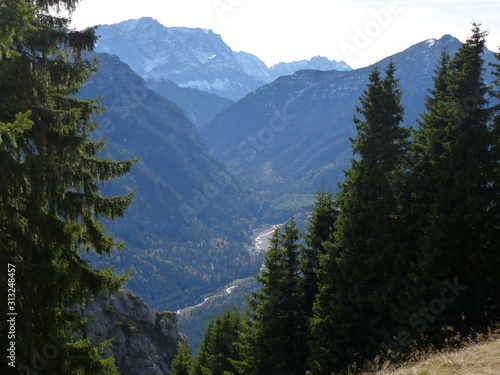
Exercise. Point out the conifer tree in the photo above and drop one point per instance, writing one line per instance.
(366, 246)
(50, 200)
(324, 354)
(426, 149)
(15, 17)
(428, 139)
(182, 363)
(314, 264)
(217, 352)
(273, 338)
(493, 211)
(319, 231)
(457, 190)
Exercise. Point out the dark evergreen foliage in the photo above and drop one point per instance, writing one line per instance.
(415, 233)
(366, 233)
(455, 191)
(50, 200)
(319, 231)
(272, 340)
(182, 364)
(407, 247)
(218, 353)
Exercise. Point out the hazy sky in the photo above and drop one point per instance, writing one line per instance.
(360, 32)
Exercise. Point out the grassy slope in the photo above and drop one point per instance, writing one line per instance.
(478, 359)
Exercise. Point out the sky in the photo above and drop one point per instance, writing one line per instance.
(359, 32)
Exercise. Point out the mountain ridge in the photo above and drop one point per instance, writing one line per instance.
(192, 57)
(314, 63)
(293, 133)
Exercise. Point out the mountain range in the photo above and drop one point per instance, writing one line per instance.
(292, 135)
(194, 58)
(212, 169)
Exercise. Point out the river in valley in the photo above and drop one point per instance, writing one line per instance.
(261, 244)
(264, 237)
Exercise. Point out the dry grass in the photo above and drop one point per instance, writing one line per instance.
(481, 358)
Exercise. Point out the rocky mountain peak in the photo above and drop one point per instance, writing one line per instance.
(195, 58)
(189, 57)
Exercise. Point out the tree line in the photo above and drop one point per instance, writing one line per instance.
(404, 255)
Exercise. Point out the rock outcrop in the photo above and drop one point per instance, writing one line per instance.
(145, 341)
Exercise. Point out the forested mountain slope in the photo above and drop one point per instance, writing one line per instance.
(186, 228)
(292, 134)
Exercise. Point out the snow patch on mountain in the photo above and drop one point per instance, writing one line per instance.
(196, 58)
(198, 84)
(430, 42)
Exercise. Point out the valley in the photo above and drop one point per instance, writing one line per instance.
(204, 188)
(261, 245)
(263, 239)
(194, 319)
(172, 204)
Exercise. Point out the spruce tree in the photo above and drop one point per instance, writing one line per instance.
(324, 354)
(426, 149)
(50, 200)
(457, 191)
(428, 139)
(182, 363)
(492, 212)
(312, 263)
(366, 249)
(492, 219)
(15, 17)
(217, 352)
(319, 231)
(273, 338)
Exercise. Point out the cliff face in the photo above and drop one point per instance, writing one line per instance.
(145, 341)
